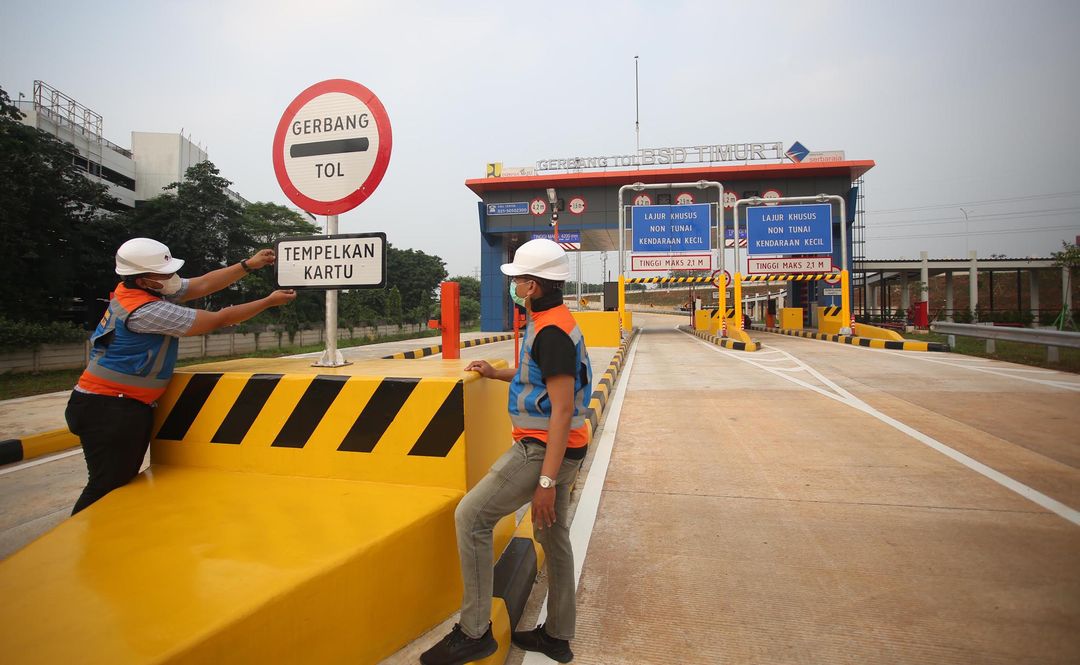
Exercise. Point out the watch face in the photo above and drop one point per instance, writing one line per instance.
(546, 482)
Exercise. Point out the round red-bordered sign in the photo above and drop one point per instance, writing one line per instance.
(577, 205)
(538, 206)
(730, 197)
(769, 195)
(332, 147)
(684, 199)
(643, 200)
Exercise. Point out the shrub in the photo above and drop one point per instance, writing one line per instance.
(21, 335)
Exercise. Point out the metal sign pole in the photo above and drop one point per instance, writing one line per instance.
(845, 298)
(638, 187)
(331, 357)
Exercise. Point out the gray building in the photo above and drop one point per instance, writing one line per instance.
(154, 161)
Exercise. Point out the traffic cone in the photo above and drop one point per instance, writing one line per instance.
(853, 324)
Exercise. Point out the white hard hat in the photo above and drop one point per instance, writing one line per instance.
(540, 258)
(142, 255)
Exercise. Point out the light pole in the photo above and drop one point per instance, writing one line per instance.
(554, 211)
(967, 244)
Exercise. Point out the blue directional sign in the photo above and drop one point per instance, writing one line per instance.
(564, 236)
(682, 228)
(788, 230)
(519, 208)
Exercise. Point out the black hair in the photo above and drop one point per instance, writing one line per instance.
(129, 281)
(546, 285)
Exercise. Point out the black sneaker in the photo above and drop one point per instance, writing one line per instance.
(537, 639)
(457, 648)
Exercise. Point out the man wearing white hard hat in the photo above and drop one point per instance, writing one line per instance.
(133, 355)
(549, 397)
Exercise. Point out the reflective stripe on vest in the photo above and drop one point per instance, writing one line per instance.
(529, 406)
(125, 362)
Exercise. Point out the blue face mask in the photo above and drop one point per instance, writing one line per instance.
(514, 296)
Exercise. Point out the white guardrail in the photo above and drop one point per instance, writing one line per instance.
(1051, 339)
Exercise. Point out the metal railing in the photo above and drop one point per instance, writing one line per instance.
(1051, 339)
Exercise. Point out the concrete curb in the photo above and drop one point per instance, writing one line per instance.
(905, 345)
(722, 341)
(36, 445)
(520, 562)
(432, 350)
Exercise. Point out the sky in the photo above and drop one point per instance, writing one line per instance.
(969, 109)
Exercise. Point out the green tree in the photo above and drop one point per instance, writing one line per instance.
(362, 307)
(469, 297)
(393, 305)
(57, 227)
(468, 287)
(260, 226)
(470, 309)
(416, 276)
(1068, 257)
(195, 217)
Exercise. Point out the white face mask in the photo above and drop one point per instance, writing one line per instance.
(171, 285)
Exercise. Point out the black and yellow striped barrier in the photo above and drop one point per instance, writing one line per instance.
(795, 277)
(602, 390)
(276, 491)
(36, 445)
(830, 311)
(895, 345)
(388, 427)
(734, 345)
(669, 280)
(437, 348)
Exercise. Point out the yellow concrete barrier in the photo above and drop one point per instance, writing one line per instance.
(36, 445)
(739, 335)
(702, 319)
(599, 328)
(829, 320)
(290, 514)
(791, 318)
(874, 332)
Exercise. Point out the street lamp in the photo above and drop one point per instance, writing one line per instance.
(552, 200)
(967, 245)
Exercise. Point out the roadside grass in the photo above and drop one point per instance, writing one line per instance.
(24, 384)
(1013, 352)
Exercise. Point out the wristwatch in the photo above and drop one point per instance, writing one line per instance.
(546, 482)
(245, 266)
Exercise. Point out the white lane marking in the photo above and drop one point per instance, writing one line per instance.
(847, 398)
(962, 362)
(589, 502)
(1004, 372)
(41, 460)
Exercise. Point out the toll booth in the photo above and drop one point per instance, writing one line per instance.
(517, 205)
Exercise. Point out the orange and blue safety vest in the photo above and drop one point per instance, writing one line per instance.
(125, 363)
(530, 406)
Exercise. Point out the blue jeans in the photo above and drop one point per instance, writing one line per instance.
(508, 486)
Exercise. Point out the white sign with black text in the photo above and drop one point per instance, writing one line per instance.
(647, 262)
(758, 266)
(347, 261)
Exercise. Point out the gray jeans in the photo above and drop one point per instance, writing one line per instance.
(508, 486)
